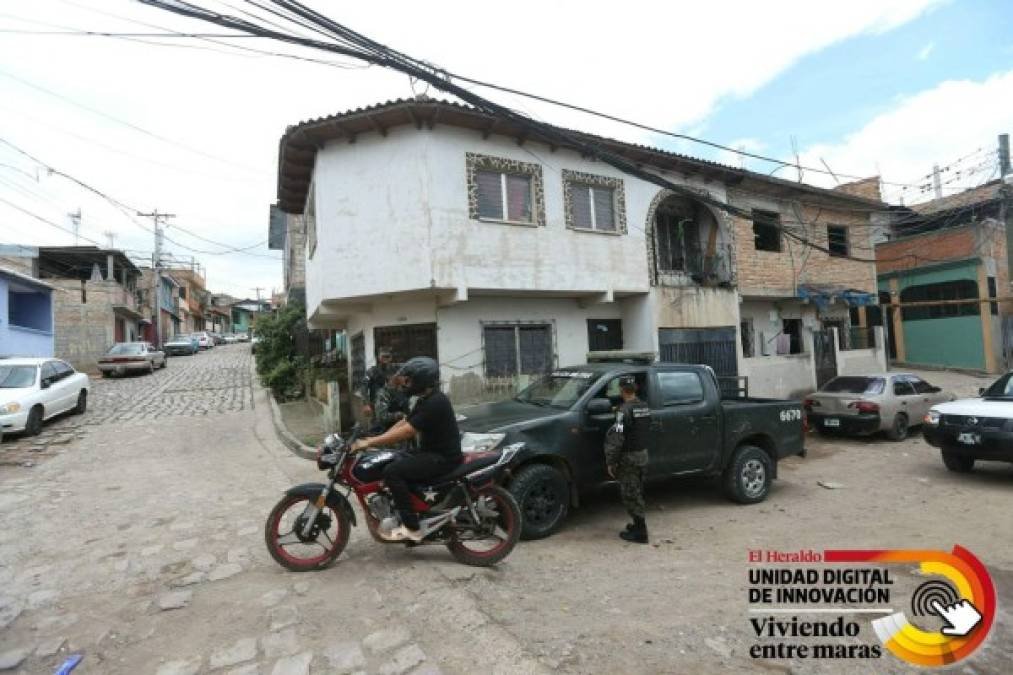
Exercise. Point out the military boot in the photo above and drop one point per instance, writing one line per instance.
(638, 533)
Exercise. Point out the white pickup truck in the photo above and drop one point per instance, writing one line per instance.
(974, 428)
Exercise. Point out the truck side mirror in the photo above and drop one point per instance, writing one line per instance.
(599, 406)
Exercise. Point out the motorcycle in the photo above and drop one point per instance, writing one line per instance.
(464, 510)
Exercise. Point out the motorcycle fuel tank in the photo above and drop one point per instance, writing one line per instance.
(370, 466)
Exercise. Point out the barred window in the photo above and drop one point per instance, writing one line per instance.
(517, 349)
(766, 230)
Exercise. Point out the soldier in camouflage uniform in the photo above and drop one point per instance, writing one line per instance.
(375, 381)
(391, 405)
(626, 456)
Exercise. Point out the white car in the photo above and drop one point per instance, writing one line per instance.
(204, 340)
(34, 390)
(973, 429)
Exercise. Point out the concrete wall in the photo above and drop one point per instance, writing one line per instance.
(863, 361)
(84, 327)
(790, 376)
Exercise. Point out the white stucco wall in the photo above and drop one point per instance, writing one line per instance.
(400, 204)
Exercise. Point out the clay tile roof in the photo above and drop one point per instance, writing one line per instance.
(300, 142)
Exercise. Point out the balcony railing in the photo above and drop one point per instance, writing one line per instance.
(703, 269)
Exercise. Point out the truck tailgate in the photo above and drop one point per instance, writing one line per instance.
(777, 420)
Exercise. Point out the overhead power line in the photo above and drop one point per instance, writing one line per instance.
(129, 210)
(350, 43)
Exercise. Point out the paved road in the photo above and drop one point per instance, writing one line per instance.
(156, 499)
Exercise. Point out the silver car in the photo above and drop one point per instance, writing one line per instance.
(861, 405)
(131, 357)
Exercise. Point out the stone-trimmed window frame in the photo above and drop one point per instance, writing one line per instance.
(476, 162)
(574, 178)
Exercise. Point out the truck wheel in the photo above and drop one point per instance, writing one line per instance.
(544, 498)
(957, 462)
(899, 429)
(747, 478)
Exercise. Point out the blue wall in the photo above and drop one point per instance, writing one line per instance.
(18, 308)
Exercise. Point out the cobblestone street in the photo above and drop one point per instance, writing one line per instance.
(134, 534)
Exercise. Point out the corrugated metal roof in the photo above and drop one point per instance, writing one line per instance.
(979, 195)
(6, 271)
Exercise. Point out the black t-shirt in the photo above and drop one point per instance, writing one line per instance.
(433, 417)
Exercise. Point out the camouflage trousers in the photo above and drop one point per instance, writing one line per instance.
(630, 476)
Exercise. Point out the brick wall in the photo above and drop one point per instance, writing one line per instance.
(83, 331)
(21, 264)
(867, 188)
(925, 249)
(780, 272)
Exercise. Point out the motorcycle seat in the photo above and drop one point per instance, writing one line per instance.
(472, 461)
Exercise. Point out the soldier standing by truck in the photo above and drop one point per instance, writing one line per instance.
(626, 456)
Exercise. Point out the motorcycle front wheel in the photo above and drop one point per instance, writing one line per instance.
(293, 550)
(499, 533)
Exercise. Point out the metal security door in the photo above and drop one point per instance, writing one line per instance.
(714, 347)
(825, 356)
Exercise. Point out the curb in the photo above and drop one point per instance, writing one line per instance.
(287, 438)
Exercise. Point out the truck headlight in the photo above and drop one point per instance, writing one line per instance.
(8, 408)
(480, 442)
(932, 418)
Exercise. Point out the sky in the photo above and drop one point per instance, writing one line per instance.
(191, 127)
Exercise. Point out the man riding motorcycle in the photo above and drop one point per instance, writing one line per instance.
(434, 422)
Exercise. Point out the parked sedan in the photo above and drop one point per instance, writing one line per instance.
(181, 344)
(204, 340)
(230, 338)
(127, 357)
(862, 405)
(34, 390)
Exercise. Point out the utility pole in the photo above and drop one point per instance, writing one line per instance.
(1005, 196)
(156, 271)
(937, 186)
(75, 222)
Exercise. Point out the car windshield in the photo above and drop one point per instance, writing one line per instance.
(126, 348)
(17, 377)
(560, 389)
(854, 385)
(1002, 388)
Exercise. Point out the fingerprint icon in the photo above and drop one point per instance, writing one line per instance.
(929, 592)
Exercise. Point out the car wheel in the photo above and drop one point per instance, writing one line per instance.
(748, 476)
(165, 362)
(899, 430)
(957, 462)
(33, 427)
(82, 403)
(543, 495)
(105, 374)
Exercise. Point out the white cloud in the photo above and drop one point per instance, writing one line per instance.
(926, 51)
(936, 126)
(665, 64)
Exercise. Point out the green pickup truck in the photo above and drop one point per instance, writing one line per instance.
(562, 418)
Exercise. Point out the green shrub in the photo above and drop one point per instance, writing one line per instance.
(278, 365)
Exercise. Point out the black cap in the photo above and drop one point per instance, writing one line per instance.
(627, 382)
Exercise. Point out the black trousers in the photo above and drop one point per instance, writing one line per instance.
(413, 468)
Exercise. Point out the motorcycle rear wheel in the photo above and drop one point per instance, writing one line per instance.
(471, 552)
(280, 531)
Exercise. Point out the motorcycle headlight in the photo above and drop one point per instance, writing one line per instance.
(8, 408)
(932, 418)
(480, 442)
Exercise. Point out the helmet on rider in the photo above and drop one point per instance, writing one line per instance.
(420, 373)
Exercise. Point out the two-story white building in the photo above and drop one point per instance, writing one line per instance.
(434, 229)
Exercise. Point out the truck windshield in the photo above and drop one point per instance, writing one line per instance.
(1002, 388)
(559, 389)
(854, 385)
